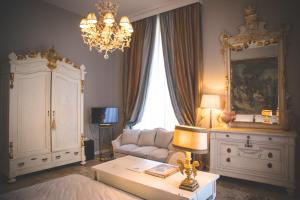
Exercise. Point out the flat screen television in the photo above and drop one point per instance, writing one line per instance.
(105, 115)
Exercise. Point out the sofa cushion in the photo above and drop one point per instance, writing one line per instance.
(159, 155)
(163, 138)
(143, 152)
(130, 136)
(147, 137)
(126, 148)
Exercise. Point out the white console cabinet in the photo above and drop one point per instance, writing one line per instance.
(41, 113)
(266, 156)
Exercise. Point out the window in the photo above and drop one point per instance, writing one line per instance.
(158, 110)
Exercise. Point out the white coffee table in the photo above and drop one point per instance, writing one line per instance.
(127, 174)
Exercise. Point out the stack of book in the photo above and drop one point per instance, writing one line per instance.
(162, 170)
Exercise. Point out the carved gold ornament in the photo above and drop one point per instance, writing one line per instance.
(104, 34)
(82, 140)
(11, 80)
(252, 33)
(11, 150)
(52, 58)
(82, 86)
(51, 55)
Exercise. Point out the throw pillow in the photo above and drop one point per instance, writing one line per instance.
(147, 137)
(163, 138)
(130, 136)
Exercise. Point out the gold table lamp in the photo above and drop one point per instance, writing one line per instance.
(190, 139)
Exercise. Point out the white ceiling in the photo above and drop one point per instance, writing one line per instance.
(134, 9)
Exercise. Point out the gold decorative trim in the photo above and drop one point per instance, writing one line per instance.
(29, 54)
(253, 32)
(11, 80)
(82, 86)
(21, 57)
(82, 140)
(11, 150)
(226, 82)
(52, 58)
(51, 55)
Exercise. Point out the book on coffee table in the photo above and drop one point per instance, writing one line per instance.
(162, 170)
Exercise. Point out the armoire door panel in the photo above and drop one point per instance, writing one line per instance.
(29, 119)
(66, 108)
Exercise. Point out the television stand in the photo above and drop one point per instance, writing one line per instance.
(105, 153)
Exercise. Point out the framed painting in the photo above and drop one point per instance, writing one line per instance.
(254, 85)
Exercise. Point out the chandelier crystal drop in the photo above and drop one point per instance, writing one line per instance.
(105, 34)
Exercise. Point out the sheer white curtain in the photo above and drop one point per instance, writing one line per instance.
(158, 110)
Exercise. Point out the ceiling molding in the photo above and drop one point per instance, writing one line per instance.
(134, 9)
(167, 6)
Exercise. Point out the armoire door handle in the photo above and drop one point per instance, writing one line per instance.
(53, 123)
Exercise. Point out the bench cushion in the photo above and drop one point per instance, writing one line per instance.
(163, 138)
(159, 155)
(126, 148)
(130, 136)
(147, 137)
(143, 152)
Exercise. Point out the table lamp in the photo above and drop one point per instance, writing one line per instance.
(189, 139)
(210, 101)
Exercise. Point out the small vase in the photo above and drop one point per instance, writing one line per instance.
(227, 117)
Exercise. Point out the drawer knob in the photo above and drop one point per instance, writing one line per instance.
(67, 152)
(44, 159)
(227, 135)
(270, 165)
(76, 153)
(227, 159)
(57, 157)
(270, 139)
(33, 158)
(270, 155)
(21, 164)
(228, 150)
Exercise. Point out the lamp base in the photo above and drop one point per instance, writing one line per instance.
(189, 184)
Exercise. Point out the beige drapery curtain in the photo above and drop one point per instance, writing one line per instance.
(182, 49)
(136, 64)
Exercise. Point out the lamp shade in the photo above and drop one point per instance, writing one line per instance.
(83, 23)
(190, 139)
(124, 21)
(91, 18)
(210, 101)
(109, 18)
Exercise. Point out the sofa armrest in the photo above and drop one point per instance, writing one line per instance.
(173, 156)
(117, 142)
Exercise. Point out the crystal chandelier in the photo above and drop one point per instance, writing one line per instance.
(104, 34)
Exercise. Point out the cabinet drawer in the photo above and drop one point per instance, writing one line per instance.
(271, 154)
(229, 149)
(31, 161)
(252, 137)
(66, 155)
(250, 165)
(76, 154)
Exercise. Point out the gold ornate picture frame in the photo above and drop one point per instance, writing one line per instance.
(255, 45)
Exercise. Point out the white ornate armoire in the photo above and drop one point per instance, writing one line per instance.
(41, 113)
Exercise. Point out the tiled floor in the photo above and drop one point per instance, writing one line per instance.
(227, 188)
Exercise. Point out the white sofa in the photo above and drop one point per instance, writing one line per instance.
(153, 144)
